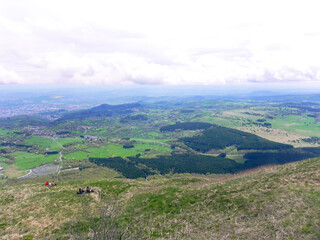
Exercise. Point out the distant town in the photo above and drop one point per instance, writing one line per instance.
(50, 111)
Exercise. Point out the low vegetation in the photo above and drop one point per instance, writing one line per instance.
(268, 203)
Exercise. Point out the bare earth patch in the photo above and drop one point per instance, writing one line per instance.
(278, 136)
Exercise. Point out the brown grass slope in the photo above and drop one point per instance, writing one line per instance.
(275, 202)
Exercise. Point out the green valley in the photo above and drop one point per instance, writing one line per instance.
(204, 169)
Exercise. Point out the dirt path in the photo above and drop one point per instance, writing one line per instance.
(60, 158)
(26, 175)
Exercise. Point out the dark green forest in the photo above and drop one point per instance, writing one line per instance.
(126, 168)
(217, 137)
(256, 159)
(200, 164)
(186, 126)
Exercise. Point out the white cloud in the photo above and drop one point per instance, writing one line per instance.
(9, 77)
(165, 42)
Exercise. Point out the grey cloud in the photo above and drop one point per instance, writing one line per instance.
(145, 81)
(288, 75)
(225, 53)
(89, 72)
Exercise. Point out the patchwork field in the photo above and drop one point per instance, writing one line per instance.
(127, 133)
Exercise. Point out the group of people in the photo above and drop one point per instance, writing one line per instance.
(81, 190)
(50, 184)
(87, 190)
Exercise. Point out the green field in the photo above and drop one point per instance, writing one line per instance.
(53, 144)
(81, 146)
(79, 155)
(25, 160)
(43, 143)
(156, 147)
(302, 125)
(4, 132)
(66, 141)
(151, 140)
(111, 150)
(2, 160)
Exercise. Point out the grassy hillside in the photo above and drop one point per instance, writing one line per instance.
(275, 202)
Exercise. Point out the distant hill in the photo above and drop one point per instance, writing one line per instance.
(130, 118)
(22, 121)
(103, 110)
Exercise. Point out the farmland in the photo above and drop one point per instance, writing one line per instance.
(25, 160)
(43, 143)
(156, 131)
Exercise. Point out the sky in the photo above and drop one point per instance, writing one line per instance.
(167, 43)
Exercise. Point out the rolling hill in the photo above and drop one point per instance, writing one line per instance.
(103, 110)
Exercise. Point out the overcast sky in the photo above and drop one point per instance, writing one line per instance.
(227, 42)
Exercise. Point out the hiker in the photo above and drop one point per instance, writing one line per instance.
(80, 191)
(89, 190)
(53, 184)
